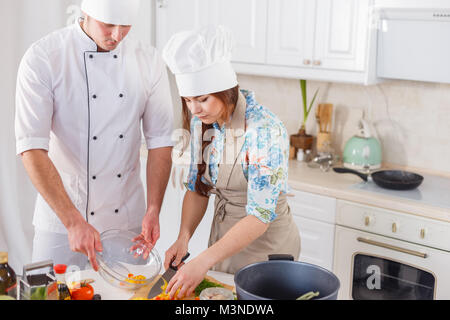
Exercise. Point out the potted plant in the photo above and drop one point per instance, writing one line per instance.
(301, 140)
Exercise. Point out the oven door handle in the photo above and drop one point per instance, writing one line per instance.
(389, 246)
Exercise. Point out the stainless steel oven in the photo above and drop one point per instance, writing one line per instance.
(387, 255)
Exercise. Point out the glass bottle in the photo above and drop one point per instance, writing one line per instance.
(63, 289)
(8, 279)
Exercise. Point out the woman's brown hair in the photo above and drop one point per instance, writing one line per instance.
(229, 98)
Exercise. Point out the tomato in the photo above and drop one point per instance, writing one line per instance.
(85, 292)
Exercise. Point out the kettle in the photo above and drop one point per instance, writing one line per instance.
(362, 151)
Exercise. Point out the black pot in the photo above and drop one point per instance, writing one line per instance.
(278, 279)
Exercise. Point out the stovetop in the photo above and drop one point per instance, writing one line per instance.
(434, 191)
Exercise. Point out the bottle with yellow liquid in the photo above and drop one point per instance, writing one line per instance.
(63, 289)
(8, 279)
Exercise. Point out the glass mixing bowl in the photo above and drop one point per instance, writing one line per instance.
(122, 263)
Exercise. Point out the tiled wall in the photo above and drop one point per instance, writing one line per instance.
(411, 119)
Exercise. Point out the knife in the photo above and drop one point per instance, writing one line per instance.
(170, 272)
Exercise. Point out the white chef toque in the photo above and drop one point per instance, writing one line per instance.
(201, 60)
(117, 12)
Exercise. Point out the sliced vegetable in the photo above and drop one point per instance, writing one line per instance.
(205, 284)
(308, 295)
(139, 279)
(165, 296)
(39, 293)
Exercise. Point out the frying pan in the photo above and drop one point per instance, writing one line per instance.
(388, 179)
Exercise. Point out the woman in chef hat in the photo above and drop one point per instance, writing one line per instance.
(239, 153)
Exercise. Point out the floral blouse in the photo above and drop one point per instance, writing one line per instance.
(265, 165)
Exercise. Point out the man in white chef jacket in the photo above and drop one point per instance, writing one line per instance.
(82, 94)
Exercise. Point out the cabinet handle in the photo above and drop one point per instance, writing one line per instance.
(422, 233)
(306, 61)
(395, 248)
(317, 62)
(367, 221)
(394, 227)
(162, 3)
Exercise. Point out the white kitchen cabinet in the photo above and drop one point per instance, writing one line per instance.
(290, 38)
(245, 18)
(315, 216)
(320, 40)
(302, 39)
(173, 16)
(341, 34)
(317, 241)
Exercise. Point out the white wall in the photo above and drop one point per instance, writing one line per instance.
(411, 118)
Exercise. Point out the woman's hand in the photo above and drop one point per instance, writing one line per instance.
(187, 278)
(175, 253)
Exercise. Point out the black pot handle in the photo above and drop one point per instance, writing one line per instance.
(281, 256)
(347, 170)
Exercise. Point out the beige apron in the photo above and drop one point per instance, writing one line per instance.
(282, 236)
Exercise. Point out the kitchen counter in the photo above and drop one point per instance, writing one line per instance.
(342, 186)
(109, 292)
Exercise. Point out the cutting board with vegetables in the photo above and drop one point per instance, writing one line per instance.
(142, 293)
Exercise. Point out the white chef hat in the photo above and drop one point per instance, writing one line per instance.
(201, 60)
(117, 12)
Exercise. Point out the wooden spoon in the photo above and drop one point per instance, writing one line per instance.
(318, 115)
(327, 115)
(330, 117)
(323, 117)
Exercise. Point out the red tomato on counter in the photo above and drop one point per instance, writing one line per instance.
(85, 292)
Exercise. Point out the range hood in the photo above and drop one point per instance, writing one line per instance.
(414, 44)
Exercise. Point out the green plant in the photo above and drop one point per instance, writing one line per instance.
(306, 108)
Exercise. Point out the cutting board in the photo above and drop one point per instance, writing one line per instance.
(143, 292)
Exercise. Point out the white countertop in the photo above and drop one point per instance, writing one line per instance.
(348, 187)
(109, 292)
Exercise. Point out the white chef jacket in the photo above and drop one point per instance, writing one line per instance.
(85, 108)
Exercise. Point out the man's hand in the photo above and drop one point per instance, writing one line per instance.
(148, 237)
(82, 236)
(159, 164)
(150, 228)
(85, 239)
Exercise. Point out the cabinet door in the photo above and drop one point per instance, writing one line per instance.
(173, 16)
(317, 242)
(341, 34)
(290, 32)
(247, 19)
